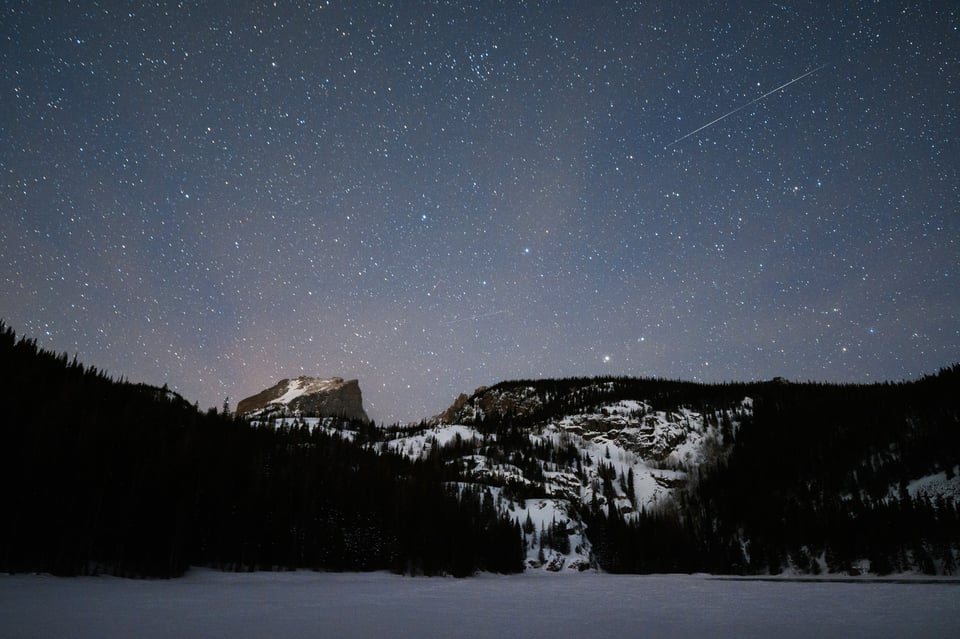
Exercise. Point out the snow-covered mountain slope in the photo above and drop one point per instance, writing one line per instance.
(591, 470)
(546, 472)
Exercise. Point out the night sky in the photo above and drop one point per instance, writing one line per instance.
(434, 196)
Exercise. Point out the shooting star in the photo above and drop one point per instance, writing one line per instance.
(474, 318)
(744, 106)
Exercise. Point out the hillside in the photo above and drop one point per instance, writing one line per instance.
(617, 474)
(103, 476)
(641, 475)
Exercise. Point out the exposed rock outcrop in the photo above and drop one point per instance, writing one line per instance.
(308, 397)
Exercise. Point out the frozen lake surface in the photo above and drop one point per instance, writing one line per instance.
(211, 604)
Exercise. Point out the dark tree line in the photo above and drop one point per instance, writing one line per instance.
(821, 471)
(105, 476)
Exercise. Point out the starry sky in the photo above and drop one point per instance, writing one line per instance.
(434, 196)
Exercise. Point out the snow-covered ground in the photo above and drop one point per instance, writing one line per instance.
(937, 485)
(210, 604)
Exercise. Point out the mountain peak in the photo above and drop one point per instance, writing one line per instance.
(308, 396)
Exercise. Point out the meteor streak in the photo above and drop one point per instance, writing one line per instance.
(474, 317)
(744, 106)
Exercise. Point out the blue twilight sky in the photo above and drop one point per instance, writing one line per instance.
(432, 196)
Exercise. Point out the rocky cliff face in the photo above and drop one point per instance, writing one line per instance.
(308, 397)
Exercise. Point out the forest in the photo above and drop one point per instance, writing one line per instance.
(103, 476)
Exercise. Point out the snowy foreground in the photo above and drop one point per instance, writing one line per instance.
(210, 604)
